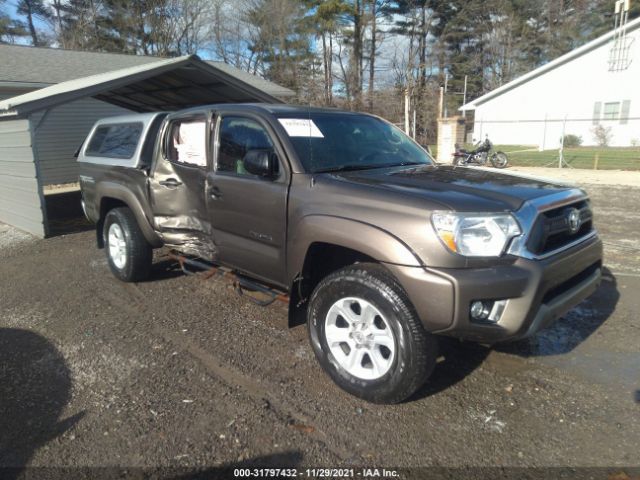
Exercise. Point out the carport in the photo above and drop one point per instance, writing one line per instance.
(164, 85)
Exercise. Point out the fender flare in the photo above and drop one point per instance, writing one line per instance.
(365, 238)
(119, 192)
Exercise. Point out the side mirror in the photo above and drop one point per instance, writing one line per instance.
(263, 163)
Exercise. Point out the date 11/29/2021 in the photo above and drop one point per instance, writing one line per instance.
(365, 473)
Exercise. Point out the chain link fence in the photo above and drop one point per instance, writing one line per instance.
(610, 143)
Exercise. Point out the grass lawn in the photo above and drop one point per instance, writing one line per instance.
(608, 158)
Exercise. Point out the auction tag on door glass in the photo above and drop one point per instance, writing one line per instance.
(301, 127)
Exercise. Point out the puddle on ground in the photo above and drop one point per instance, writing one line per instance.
(620, 370)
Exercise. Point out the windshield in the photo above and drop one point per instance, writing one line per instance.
(328, 142)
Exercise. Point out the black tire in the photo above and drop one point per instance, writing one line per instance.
(138, 253)
(499, 160)
(416, 350)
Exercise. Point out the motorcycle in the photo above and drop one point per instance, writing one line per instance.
(483, 153)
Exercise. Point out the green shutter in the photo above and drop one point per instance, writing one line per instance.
(597, 107)
(624, 115)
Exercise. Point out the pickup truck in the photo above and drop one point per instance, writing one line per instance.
(379, 249)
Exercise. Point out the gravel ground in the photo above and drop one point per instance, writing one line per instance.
(583, 176)
(12, 239)
(181, 372)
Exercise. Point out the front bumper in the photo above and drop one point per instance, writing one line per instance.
(537, 293)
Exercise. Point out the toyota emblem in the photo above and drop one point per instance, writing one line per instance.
(574, 220)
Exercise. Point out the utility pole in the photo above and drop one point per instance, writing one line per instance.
(413, 127)
(464, 96)
(406, 110)
(446, 82)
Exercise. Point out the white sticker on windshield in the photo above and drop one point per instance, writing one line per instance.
(301, 127)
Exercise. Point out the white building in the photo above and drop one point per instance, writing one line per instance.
(596, 84)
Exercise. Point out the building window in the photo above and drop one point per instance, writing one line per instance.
(611, 111)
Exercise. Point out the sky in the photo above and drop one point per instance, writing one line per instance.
(10, 8)
(391, 46)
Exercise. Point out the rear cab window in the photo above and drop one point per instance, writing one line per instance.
(118, 140)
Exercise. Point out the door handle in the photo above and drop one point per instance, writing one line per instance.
(214, 192)
(170, 183)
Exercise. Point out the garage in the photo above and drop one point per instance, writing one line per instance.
(41, 129)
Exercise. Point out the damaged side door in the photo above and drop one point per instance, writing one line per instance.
(177, 185)
(248, 212)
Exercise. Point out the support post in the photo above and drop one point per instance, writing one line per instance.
(407, 100)
(413, 126)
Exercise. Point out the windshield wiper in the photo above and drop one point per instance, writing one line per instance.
(351, 168)
(347, 168)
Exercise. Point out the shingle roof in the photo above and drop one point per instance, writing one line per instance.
(166, 84)
(23, 64)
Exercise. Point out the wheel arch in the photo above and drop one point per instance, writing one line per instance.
(112, 195)
(325, 244)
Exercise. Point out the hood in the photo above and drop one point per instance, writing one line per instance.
(458, 187)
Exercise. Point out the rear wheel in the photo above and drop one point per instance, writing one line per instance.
(367, 336)
(499, 160)
(128, 253)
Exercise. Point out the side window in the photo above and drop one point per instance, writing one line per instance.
(115, 141)
(237, 136)
(186, 142)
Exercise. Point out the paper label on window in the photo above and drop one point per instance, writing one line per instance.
(191, 143)
(301, 127)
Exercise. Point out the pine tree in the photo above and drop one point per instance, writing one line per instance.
(33, 9)
(281, 41)
(10, 28)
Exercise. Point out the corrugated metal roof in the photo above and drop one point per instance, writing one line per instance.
(567, 57)
(170, 84)
(36, 65)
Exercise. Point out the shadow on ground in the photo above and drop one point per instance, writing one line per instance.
(64, 213)
(281, 461)
(568, 332)
(164, 268)
(35, 386)
(458, 360)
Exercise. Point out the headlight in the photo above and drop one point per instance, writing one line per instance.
(475, 234)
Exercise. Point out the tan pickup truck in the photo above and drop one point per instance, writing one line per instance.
(379, 248)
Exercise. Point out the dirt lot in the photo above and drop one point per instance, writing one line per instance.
(583, 176)
(181, 372)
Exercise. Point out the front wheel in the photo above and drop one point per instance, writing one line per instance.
(499, 160)
(128, 253)
(367, 336)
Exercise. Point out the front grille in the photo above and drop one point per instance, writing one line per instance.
(552, 231)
